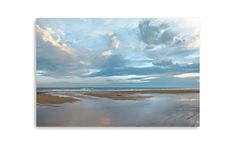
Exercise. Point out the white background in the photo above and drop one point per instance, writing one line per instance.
(218, 65)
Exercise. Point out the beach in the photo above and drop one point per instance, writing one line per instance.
(43, 98)
(133, 95)
(179, 107)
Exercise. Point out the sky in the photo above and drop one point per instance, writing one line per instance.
(130, 52)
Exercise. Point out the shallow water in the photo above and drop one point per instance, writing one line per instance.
(159, 110)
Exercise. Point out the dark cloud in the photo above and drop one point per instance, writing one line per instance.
(168, 42)
(155, 35)
(173, 68)
(162, 62)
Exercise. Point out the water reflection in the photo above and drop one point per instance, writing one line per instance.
(160, 110)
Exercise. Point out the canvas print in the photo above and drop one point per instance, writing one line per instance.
(117, 72)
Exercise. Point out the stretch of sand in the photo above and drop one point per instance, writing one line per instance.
(43, 98)
(138, 94)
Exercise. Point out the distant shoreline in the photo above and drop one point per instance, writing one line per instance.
(44, 98)
(112, 89)
(164, 91)
(136, 94)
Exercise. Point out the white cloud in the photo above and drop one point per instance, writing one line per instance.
(107, 53)
(115, 42)
(40, 72)
(195, 43)
(126, 79)
(96, 33)
(187, 75)
(91, 71)
(150, 78)
(131, 78)
(48, 35)
(190, 29)
(140, 64)
(171, 32)
(84, 63)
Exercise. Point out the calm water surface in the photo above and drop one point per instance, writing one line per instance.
(159, 110)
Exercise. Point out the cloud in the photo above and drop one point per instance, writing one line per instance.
(126, 79)
(84, 62)
(97, 33)
(155, 35)
(140, 64)
(187, 75)
(155, 80)
(170, 41)
(135, 51)
(48, 35)
(54, 58)
(96, 80)
(195, 43)
(114, 41)
(162, 62)
(166, 33)
(40, 72)
(118, 68)
(107, 53)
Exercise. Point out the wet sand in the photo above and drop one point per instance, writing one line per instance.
(117, 95)
(135, 95)
(122, 108)
(43, 98)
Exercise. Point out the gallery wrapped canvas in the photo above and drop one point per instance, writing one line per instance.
(117, 71)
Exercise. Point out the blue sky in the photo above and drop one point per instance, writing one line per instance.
(161, 52)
